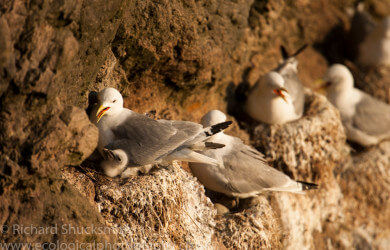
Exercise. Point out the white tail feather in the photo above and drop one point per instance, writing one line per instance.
(292, 187)
(186, 154)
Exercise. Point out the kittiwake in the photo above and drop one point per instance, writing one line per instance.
(278, 97)
(242, 171)
(129, 139)
(366, 119)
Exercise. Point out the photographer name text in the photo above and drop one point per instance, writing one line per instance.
(56, 229)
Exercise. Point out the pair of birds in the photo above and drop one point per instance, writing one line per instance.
(278, 97)
(128, 139)
(222, 163)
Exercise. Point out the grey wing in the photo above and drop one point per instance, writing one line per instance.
(372, 116)
(136, 154)
(293, 85)
(295, 88)
(191, 129)
(146, 140)
(247, 171)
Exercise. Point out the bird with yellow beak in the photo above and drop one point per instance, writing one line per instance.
(279, 96)
(109, 104)
(128, 139)
(270, 102)
(366, 120)
(242, 171)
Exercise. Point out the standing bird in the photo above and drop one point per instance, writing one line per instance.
(242, 171)
(366, 119)
(129, 139)
(278, 97)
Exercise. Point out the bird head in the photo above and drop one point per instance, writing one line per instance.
(274, 82)
(281, 92)
(110, 102)
(213, 117)
(115, 161)
(337, 79)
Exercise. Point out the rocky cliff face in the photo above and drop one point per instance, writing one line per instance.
(180, 58)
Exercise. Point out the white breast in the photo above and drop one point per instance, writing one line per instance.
(346, 102)
(271, 110)
(106, 136)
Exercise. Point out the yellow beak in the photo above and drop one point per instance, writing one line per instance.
(280, 92)
(320, 86)
(101, 111)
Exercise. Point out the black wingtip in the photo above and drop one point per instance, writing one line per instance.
(218, 128)
(214, 145)
(300, 50)
(284, 52)
(308, 185)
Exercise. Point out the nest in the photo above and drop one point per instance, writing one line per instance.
(253, 228)
(167, 207)
(306, 149)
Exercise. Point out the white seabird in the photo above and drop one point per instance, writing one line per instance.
(242, 171)
(278, 97)
(129, 139)
(366, 119)
(270, 102)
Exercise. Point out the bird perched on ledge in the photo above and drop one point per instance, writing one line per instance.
(366, 119)
(242, 171)
(278, 97)
(270, 102)
(128, 139)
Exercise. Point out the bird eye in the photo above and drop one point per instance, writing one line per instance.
(114, 101)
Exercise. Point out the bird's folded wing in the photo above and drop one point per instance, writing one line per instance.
(293, 85)
(295, 88)
(247, 171)
(145, 139)
(191, 129)
(372, 116)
